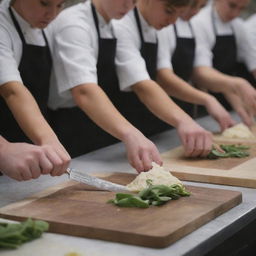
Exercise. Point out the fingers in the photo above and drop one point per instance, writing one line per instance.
(141, 153)
(57, 160)
(155, 156)
(245, 116)
(198, 145)
(135, 162)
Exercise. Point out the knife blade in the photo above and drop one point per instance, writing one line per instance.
(94, 181)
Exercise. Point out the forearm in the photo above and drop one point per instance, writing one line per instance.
(178, 88)
(95, 103)
(213, 80)
(27, 113)
(159, 103)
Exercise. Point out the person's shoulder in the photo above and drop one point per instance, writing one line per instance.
(238, 23)
(251, 20)
(203, 14)
(7, 30)
(78, 15)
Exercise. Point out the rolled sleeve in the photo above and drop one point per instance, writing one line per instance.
(75, 58)
(8, 64)
(205, 39)
(245, 47)
(166, 45)
(131, 67)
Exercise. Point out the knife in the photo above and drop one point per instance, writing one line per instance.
(94, 181)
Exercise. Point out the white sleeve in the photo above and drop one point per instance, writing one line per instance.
(8, 65)
(246, 48)
(75, 61)
(205, 40)
(131, 67)
(166, 39)
(250, 24)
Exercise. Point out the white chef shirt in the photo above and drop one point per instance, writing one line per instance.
(75, 52)
(202, 24)
(11, 44)
(167, 42)
(250, 24)
(131, 67)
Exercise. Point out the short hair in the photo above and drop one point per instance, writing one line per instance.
(176, 3)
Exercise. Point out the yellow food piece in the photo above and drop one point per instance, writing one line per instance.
(239, 131)
(158, 175)
(73, 254)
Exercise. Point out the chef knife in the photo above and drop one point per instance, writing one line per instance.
(94, 181)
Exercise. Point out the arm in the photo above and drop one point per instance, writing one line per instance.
(216, 81)
(196, 140)
(176, 87)
(29, 117)
(140, 151)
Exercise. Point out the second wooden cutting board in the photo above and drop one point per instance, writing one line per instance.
(78, 210)
(227, 171)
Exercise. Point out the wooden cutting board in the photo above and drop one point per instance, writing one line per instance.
(227, 171)
(78, 210)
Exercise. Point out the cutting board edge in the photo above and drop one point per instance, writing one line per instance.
(157, 241)
(230, 181)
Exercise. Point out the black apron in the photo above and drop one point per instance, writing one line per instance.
(77, 132)
(35, 70)
(136, 112)
(243, 72)
(182, 62)
(224, 58)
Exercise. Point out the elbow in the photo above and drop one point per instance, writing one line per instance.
(82, 94)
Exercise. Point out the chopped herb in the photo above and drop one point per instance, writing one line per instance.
(153, 195)
(237, 151)
(12, 235)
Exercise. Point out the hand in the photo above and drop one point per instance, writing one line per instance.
(219, 113)
(197, 141)
(242, 110)
(58, 157)
(247, 93)
(22, 161)
(141, 152)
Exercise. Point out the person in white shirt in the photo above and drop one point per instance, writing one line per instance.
(225, 42)
(177, 49)
(84, 78)
(25, 66)
(137, 69)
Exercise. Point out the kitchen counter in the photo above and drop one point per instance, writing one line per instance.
(113, 159)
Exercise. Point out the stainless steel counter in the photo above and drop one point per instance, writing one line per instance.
(113, 159)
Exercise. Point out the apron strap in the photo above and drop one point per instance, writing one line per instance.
(45, 38)
(17, 26)
(138, 24)
(95, 19)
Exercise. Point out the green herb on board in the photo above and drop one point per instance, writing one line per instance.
(237, 151)
(153, 195)
(12, 235)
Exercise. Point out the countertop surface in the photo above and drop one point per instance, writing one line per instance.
(113, 159)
